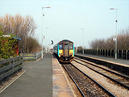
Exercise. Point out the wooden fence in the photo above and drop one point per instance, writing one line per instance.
(10, 66)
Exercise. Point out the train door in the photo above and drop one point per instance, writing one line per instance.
(70, 48)
(66, 49)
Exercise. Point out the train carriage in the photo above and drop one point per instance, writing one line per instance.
(64, 50)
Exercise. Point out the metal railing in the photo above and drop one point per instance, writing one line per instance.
(121, 54)
(10, 66)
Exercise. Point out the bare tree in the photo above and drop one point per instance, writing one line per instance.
(98, 44)
(122, 39)
(18, 24)
(22, 27)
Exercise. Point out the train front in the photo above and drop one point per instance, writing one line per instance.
(65, 51)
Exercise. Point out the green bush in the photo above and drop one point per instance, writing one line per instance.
(7, 45)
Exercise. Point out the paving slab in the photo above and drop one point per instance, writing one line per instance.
(35, 82)
(61, 85)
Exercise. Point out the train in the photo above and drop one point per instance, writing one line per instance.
(64, 50)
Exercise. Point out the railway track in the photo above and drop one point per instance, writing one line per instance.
(116, 77)
(86, 85)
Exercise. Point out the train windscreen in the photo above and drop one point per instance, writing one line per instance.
(70, 46)
(66, 46)
(61, 46)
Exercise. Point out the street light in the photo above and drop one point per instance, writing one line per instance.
(82, 30)
(115, 39)
(43, 35)
(45, 7)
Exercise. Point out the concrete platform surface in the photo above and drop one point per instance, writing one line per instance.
(119, 61)
(61, 85)
(35, 82)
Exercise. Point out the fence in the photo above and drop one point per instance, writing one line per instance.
(121, 54)
(32, 56)
(10, 66)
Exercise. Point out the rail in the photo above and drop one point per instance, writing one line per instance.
(116, 77)
(114, 66)
(81, 81)
(10, 66)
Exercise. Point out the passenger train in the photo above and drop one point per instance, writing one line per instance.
(64, 50)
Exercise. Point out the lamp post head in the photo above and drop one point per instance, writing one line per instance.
(46, 7)
(112, 8)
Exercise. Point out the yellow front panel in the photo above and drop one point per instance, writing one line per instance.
(71, 52)
(60, 52)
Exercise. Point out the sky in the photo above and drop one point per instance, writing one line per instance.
(80, 21)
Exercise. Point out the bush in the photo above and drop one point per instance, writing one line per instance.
(7, 46)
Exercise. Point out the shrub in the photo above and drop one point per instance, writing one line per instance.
(7, 46)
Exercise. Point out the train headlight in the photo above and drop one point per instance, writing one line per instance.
(71, 52)
(60, 52)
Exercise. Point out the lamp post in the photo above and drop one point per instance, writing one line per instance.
(82, 29)
(43, 37)
(115, 39)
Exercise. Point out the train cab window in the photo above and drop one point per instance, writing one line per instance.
(70, 46)
(60, 46)
(66, 46)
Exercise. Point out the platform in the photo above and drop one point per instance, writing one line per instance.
(35, 82)
(61, 85)
(108, 59)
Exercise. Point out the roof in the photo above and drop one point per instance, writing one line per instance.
(17, 38)
(65, 41)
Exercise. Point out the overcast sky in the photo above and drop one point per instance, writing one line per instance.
(78, 20)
